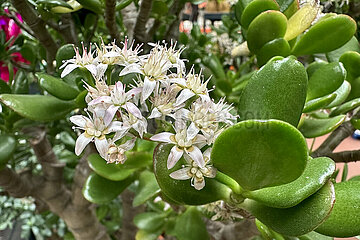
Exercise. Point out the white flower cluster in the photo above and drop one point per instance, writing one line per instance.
(162, 90)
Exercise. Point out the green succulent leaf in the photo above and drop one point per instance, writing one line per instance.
(351, 61)
(100, 190)
(148, 187)
(341, 94)
(4, 87)
(65, 52)
(326, 35)
(7, 149)
(297, 220)
(261, 99)
(93, 5)
(346, 107)
(313, 127)
(56, 87)
(276, 47)
(314, 236)
(190, 226)
(181, 191)
(38, 107)
(267, 26)
(325, 80)
(149, 221)
(260, 153)
(285, 4)
(344, 220)
(319, 103)
(254, 8)
(315, 175)
(266, 232)
(351, 45)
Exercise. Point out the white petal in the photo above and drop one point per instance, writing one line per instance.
(128, 145)
(192, 131)
(132, 108)
(131, 93)
(120, 133)
(197, 156)
(198, 185)
(68, 69)
(103, 99)
(207, 154)
(111, 54)
(132, 68)
(110, 113)
(115, 126)
(179, 81)
(211, 172)
(101, 146)
(148, 88)
(79, 120)
(100, 70)
(174, 156)
(184, 95)
(155, 113)
(91, 68)
(181, 174)
(199, 139)
(162, 137)
(81, 143)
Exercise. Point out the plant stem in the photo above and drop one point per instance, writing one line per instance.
(228, 181)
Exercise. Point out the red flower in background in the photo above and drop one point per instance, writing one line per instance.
(11, 29)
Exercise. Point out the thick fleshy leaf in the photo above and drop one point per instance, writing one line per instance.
(93, 5)
(4, 87)
(355, 122)
(112, 171)
(38, 107)
(341, 94)
(56, 87)
(351, 61)
(145, 235)
(181, 191)
(254, 8)
(344, 220)
(312, 67)
(292, 9)
(325, 80)
(267, 26)
(285, 4)
(7, 148)
(65, 52)
(276, 47)
(101, 190)
(148, 187)
(313, 127)
(260, 153)
(352, 45)
(315, 175)
(326, 35)
(267, 232)
(314, 236)
(190, 226)
(319, 103)
(297, 220)
(261, 99)
(301, 20)
(149, 221)
(346, 107)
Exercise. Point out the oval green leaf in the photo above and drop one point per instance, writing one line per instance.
(267, 26)
(351, 61)
(341, 94)
(313, 127)
(7, 148)
(297, 220)
(4, 87)
(148, 187)
(325, 80)
(346, 107)
(38, 107)
(315, 175)
(112, 171)
(319, 103)
(254, 8)
(260, 153)
(344, 220)
(190, 226)
(65, 52)
(56, 87)
(149, 221)
(276, 47)
(326, 35)
(101, 190)
(181, 191)
(261, 99)
(352, 45)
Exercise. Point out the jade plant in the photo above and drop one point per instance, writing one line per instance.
(132, 120)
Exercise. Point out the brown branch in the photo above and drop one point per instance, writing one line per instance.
(37, 25)
(67, 29)
(141, 20)
(335, 138)
(346, 156)
(14, 184)
(173, 30)
(110, 19)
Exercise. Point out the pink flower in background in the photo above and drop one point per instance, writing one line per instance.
(11, 29)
